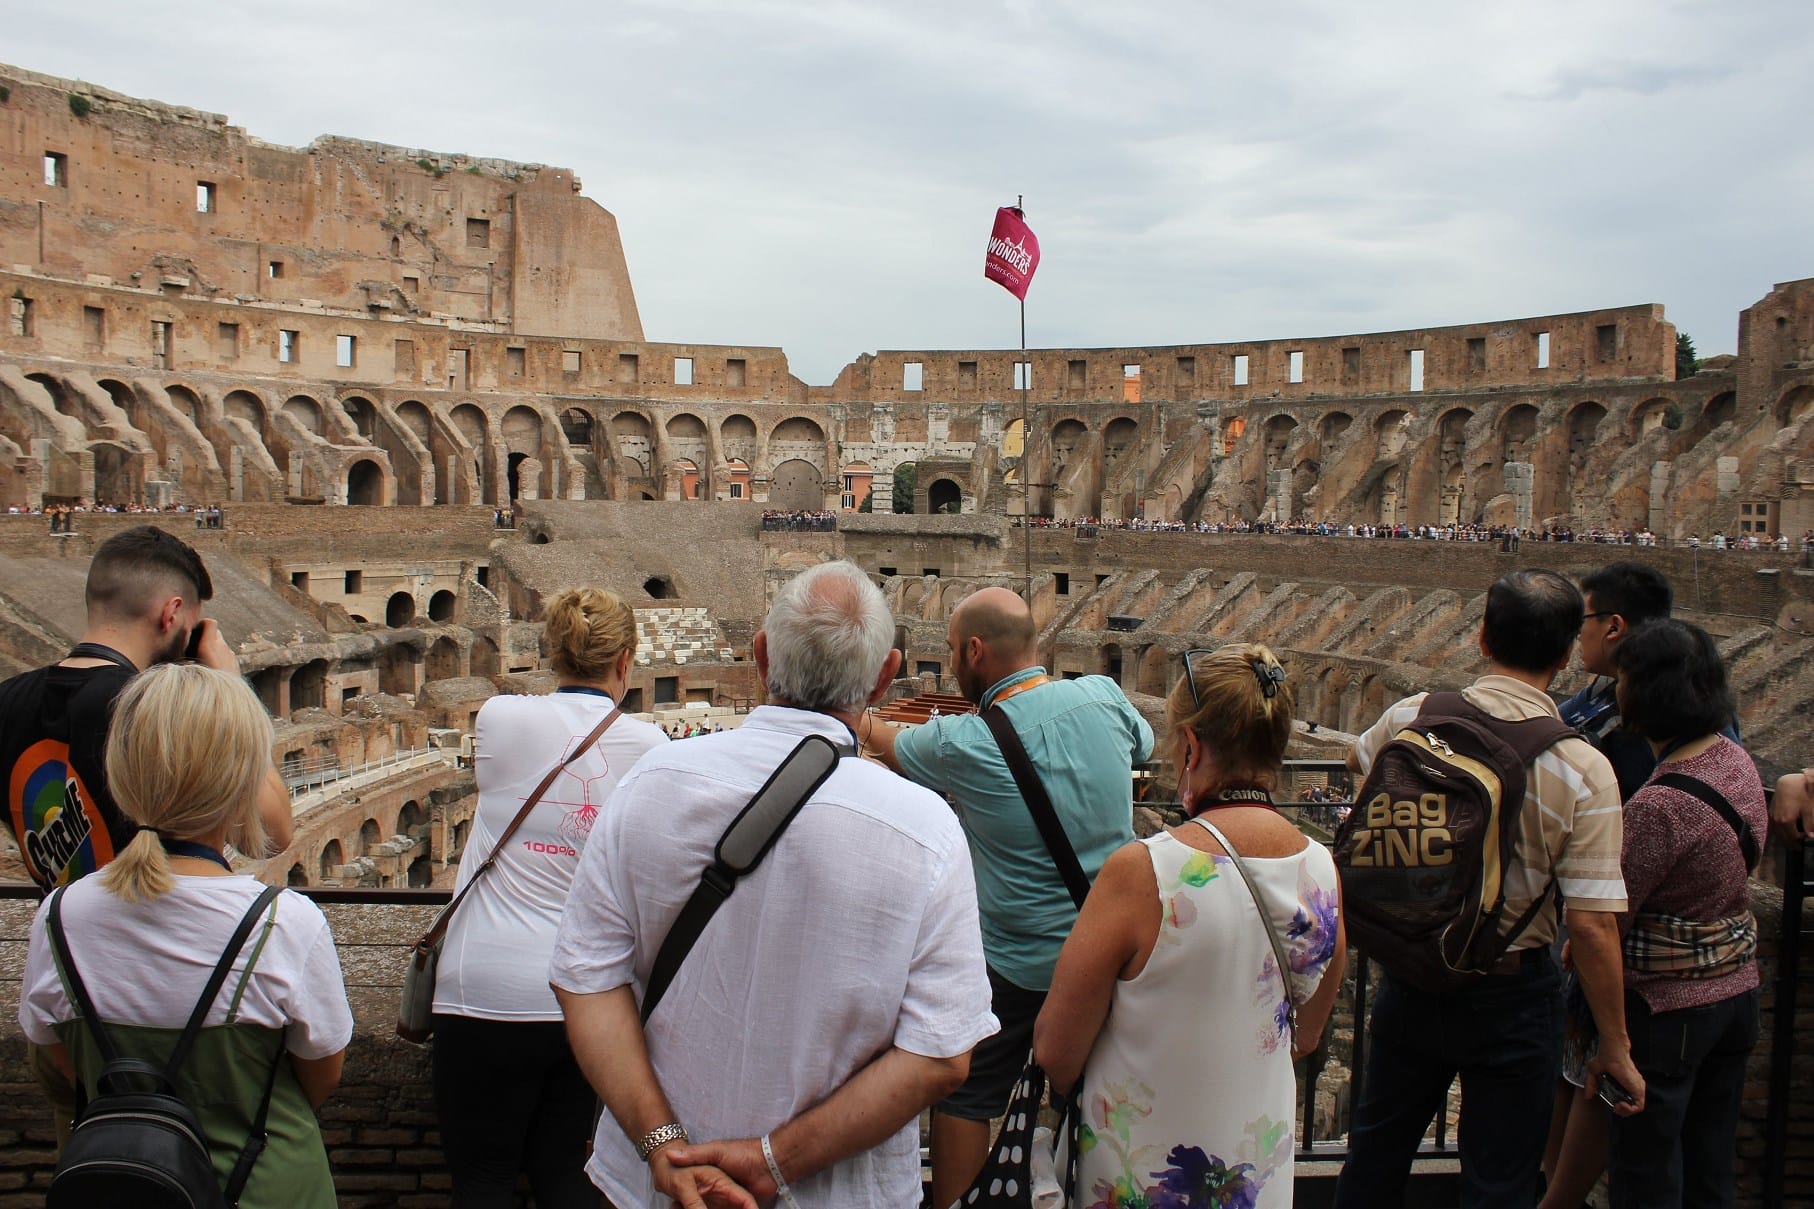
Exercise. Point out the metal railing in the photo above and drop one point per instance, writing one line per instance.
(314, 772)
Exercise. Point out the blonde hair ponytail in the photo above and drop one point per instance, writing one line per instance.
(187, 752)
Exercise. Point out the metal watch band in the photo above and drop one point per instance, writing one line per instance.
(655, 1139)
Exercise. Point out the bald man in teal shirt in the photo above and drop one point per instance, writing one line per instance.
(1083, 739)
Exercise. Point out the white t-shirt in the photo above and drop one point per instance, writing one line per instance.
(146, 963)
(857, 933)
(494, 964)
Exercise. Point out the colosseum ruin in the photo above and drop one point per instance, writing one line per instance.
(417, 386)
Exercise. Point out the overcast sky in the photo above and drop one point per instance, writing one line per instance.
(822, 175)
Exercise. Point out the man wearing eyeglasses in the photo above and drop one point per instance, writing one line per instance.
(1620, 597)
(1083, 739)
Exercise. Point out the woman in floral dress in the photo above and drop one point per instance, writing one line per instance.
(1167, 1000)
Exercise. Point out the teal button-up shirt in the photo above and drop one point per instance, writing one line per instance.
(1084, 739)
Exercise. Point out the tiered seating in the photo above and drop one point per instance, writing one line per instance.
(678, 636)
(911, 711)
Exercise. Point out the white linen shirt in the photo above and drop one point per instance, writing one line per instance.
(857, 933)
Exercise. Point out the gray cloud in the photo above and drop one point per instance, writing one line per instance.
(820, 174)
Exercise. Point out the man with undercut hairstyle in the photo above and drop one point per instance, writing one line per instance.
(144, 606)
(1083, 740)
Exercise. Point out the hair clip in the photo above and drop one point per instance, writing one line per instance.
(1269, 676)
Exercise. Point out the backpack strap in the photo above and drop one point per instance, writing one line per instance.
(1039, 804)
(740, 849)
(95, 650)
(245, 976)
(256, 1139)
(217, 979)
(1528, 738)
(72, 981)
(1695, 787)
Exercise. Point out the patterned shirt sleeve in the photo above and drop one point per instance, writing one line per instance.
(1579, 797)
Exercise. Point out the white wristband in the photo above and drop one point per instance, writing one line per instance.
(782, 1191)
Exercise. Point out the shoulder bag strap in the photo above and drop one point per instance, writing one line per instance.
(1696, 787)
(740, 849)
(1039, 804)
(1272, 932)
(72, 981)
(444, 920)
(217, 979)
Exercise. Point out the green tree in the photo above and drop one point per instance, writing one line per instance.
(903, 487)
(1686, 363)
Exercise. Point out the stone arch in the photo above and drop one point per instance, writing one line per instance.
(1118, 435)
(413, 415)
(441, 605)
(1333, 426)
(687, 471)
(1454, 490)
(737, 475)
(370, 836)
(244, 405)
(1067, 435)
(1647, 417)
(796, 484)
(1233, 429)
(421, 873)
(308, 685)
(1583, 426)
(332, 857)
(798, 430)
(1720, 409)
(470, 422)
(363, 415)
(1111, 661)
(484, 657)
(576, 426)
(124, 398)
(943, 495)
(737, 437)
(306, 411)
(1518, 433)
(1390, 432)
(1280, 429)
(410, 817)
(186, 401)
(443, 662)
(365, 483)
(60, 396)
(522, 431)
(399, 610)
(297, 876)
(1795, 406)
(634, 437)
(117, 470)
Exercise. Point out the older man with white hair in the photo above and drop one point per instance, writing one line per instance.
(836, 993)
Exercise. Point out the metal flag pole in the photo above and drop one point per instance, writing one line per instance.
(1025, 375)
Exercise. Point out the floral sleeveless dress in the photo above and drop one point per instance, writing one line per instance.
(1189, 1097)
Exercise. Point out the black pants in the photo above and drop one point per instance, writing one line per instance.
(1504, 1038)
(511, 1099)
(1679, 1150)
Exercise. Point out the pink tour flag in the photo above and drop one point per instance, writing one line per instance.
(1013, 253)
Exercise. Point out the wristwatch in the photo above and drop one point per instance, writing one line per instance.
(656, 1138)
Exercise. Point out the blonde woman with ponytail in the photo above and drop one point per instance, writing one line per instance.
(510, 1096)
(1167, 1003)
(188, 751)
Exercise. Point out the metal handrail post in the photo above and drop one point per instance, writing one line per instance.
(1782, 1028)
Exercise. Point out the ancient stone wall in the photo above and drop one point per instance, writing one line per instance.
(178, 202)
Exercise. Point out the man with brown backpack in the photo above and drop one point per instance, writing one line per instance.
(1479, 807)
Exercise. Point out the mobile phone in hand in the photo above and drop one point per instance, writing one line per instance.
(1612, 1093)
(192, 652)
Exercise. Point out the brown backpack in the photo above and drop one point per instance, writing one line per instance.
(1434, 830)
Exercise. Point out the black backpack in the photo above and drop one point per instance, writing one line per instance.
(145, 1148)
(1434, 829)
